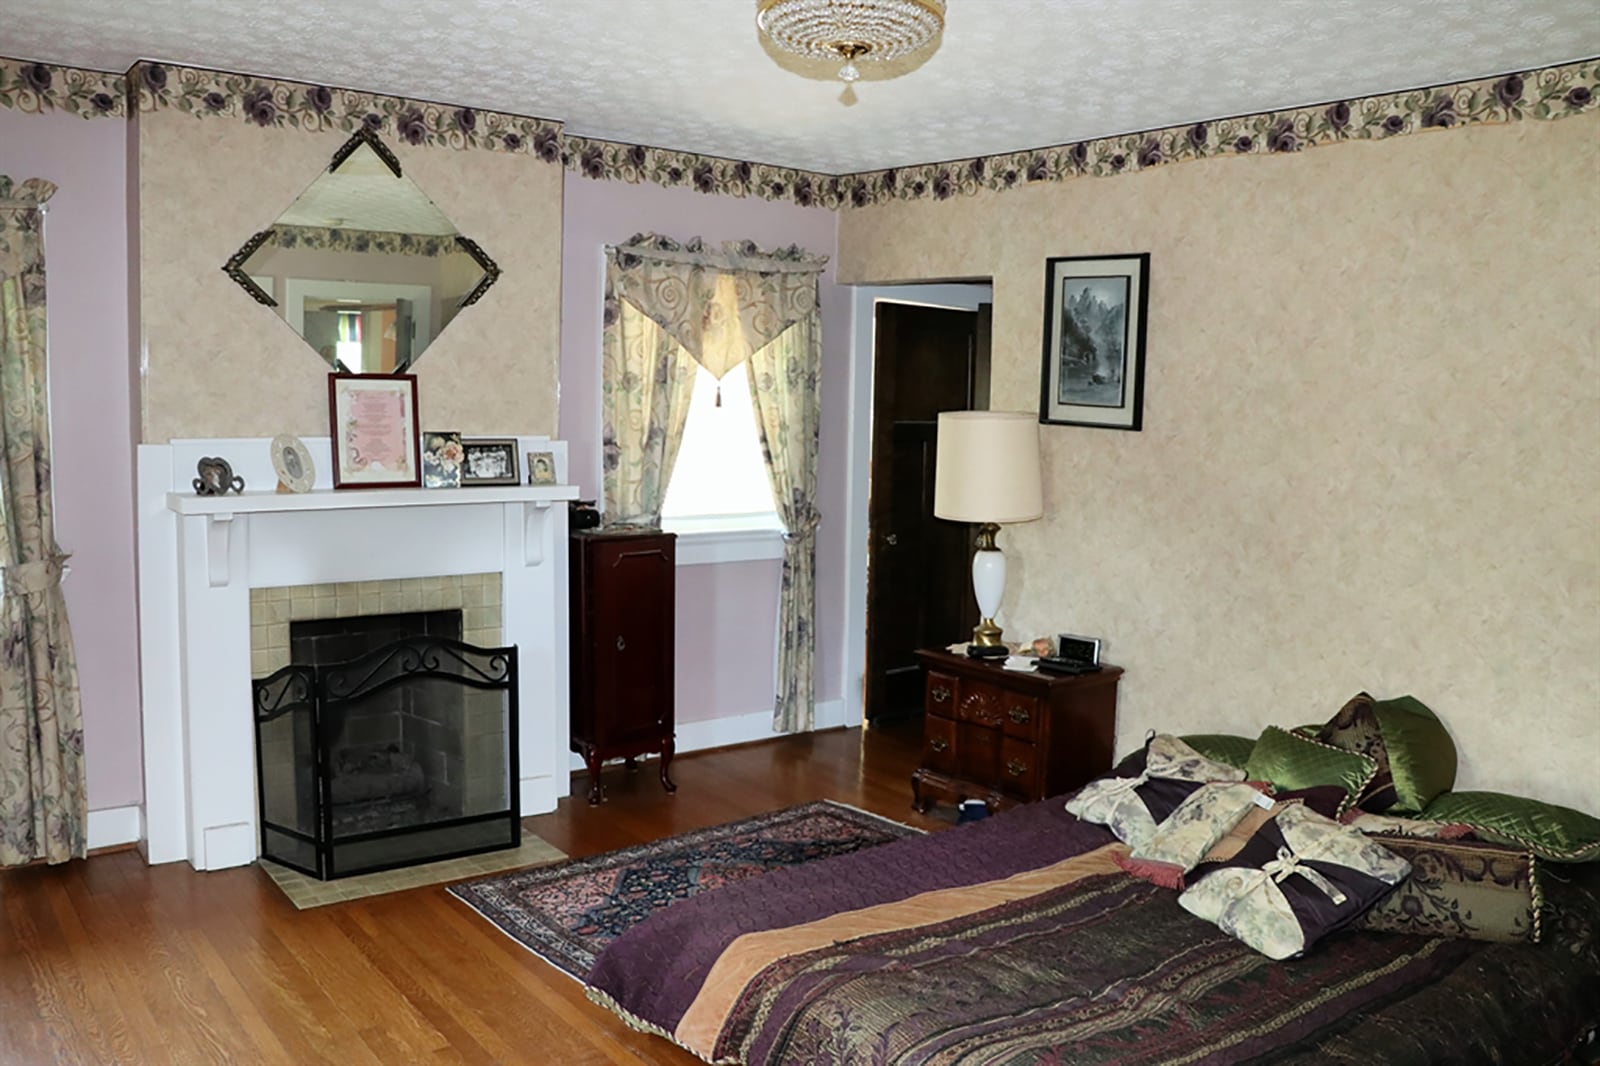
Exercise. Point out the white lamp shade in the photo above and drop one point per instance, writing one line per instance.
(987, 467)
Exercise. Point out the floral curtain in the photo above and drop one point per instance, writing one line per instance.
(785, 385)
(646, 382)
(670, 305)
(43, 802)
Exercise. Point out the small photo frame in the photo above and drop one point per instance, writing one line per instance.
(541, 468)
(372, 419)
(442, 457)
(1094, 328)
(291, 461)
(489, 461)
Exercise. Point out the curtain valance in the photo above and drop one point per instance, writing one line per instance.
(720, 305)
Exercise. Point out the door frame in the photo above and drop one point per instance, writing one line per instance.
(863, 301)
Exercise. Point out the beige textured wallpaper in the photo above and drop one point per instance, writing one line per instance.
(1371, 455)
(215, 363)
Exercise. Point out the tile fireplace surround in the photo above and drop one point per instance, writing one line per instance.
(199, 558)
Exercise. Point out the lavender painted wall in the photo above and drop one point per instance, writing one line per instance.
(92, 436)
(734, 677)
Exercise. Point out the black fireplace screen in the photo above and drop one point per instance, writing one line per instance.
(407, 754)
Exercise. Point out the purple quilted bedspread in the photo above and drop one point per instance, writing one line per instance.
(1107, 970)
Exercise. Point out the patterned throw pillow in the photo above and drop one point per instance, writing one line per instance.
(1299, 878)
(1461, 888)
(1415, 757)
(1292, 761)
(1355, 728)
(1132, 802)
(1189, 832)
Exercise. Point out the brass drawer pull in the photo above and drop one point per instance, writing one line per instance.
(1015, 768)
(938, 744)
(941, 695)
(1019, 715)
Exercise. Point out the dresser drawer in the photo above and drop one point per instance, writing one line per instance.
(1019, 770)
(941, 695)
(939, 744)
(1021, 718)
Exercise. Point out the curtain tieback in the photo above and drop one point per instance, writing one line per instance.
(41, 575)
(802, 530)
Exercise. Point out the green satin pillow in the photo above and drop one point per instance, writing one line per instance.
(1422, 757)
(1559, 834)
(1222, 747)
(1291, 761)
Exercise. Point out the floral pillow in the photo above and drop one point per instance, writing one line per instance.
(1299, 878)
(1189, 832)
(1133, 800)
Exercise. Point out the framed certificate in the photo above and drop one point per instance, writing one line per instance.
(372, 419)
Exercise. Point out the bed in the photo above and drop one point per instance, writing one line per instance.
(1020, 940)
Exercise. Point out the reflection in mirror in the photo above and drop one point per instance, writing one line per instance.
(363, 266)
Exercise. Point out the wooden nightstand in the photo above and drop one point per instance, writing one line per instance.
(1008, 737)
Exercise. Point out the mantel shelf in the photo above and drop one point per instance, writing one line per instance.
(185, 503)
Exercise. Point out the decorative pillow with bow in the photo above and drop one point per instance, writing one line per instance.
(1133, 804)
(1299, 878)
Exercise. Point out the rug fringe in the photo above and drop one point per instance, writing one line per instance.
(873, 814)
(523, 944)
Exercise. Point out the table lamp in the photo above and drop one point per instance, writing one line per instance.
(986, 470)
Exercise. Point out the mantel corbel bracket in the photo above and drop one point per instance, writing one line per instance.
(535, 516)
(219, 533)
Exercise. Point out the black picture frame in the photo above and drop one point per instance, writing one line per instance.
(502, 451)
(1092, 370)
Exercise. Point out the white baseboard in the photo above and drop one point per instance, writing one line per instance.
(741, 729)
(111, 826)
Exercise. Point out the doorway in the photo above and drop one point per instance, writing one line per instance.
(929, 352)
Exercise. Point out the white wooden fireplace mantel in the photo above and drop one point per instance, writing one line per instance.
(200, 556)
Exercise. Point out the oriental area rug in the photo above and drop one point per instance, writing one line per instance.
(567, 913)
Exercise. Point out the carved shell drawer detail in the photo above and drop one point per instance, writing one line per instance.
(981, 705)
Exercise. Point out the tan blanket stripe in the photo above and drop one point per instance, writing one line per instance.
(700, 1025)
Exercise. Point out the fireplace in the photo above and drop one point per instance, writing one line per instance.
(385, 742)
(217, 573)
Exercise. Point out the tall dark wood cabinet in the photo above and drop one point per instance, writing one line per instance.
(623, 607)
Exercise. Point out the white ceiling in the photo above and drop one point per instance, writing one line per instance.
(692, 75)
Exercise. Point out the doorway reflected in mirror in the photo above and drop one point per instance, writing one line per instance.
(363, 266)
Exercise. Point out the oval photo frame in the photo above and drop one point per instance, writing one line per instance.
(291, 461)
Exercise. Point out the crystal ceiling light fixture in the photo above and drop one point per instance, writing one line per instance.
(868, 30)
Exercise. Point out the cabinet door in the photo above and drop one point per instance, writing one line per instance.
(633, 608)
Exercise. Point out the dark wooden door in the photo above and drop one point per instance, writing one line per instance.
(919, 589)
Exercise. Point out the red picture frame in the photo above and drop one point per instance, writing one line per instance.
(372, 423)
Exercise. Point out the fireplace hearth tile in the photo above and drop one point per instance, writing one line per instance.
(307, 892)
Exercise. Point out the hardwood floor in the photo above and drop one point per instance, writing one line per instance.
(114, 961)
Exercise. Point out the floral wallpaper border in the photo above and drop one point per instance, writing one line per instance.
(39, 87)
(380, 242)
(1549, 93)
(268, 102)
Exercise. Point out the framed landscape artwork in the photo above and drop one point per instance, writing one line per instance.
(1094, 313)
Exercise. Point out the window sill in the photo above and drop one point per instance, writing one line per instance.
(707, 541)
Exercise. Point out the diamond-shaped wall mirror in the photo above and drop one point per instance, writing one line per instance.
(363, 266)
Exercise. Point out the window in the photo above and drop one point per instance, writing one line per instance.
(720, 479)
